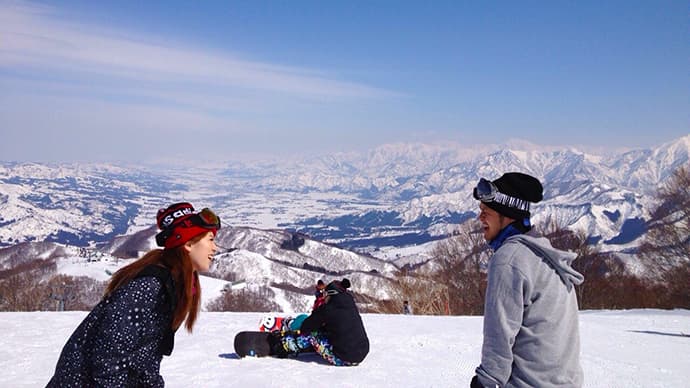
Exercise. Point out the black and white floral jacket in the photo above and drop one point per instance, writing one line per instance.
(123, 339)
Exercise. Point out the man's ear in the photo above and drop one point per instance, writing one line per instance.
(505, 221)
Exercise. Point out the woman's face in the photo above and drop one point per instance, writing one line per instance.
(201, 251)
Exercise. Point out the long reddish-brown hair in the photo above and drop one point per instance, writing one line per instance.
(187, 286)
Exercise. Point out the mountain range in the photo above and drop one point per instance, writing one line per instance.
(393, 196)
(361, 215)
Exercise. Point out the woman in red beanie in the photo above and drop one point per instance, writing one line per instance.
(123, 339)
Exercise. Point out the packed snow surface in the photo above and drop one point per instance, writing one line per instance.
(635, 348)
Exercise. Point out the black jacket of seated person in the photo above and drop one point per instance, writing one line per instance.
(340, 322)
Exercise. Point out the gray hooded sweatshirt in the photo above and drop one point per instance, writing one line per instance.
(531, 335)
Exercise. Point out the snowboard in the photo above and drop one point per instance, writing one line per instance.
(282, 324)
(253, 343)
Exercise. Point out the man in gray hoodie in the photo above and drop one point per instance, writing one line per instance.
(531, 335)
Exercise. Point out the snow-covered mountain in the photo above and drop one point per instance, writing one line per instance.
(286, 223)
(395, 195)
(289, 264)
(75, 204)
(287, 261)
(609, 197)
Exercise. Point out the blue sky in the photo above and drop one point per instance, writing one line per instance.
(132, 80)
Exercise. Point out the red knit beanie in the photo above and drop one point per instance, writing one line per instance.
(177, 226)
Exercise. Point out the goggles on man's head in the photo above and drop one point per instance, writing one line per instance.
(485, 190)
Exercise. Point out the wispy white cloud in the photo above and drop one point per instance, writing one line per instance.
(71, 90)
(39, 39)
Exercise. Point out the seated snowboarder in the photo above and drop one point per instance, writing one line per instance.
(334, 330)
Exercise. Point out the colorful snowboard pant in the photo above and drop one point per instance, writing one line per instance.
(315, 342)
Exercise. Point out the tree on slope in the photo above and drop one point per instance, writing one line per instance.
(462, 260)
(666, 246)
(453, 282)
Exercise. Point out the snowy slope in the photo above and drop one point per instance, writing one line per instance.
(258, 260)
(102, 270)
(620, 349)
(255, 259)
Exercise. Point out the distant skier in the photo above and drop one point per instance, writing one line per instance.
(123, 339)
(407, 310)
(531, 335)
(334, 330)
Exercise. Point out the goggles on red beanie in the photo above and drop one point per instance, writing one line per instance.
(179, 224)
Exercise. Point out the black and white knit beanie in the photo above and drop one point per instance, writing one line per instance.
(515, 193)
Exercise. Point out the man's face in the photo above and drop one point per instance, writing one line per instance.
(492, 221)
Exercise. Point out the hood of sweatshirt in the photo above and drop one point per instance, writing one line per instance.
(561, 261)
